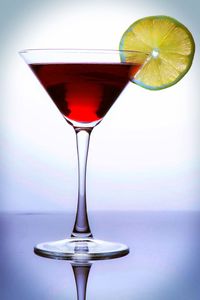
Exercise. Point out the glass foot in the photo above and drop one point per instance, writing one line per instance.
(81, 249)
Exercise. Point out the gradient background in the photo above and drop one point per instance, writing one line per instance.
(145, 153)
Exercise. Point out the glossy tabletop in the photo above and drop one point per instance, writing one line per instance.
(163, 263)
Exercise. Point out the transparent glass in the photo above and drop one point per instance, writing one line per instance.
(86, 65)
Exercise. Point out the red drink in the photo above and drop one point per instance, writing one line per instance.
(84, 92)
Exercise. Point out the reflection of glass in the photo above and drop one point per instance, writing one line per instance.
(81, 272)
(83, 84)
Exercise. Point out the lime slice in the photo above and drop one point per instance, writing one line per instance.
(165, 51)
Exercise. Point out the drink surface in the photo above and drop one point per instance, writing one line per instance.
(84, 92)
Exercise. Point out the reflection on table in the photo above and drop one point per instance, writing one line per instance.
(163, 263)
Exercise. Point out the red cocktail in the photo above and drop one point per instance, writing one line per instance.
(83, 92)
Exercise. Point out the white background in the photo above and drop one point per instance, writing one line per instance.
(144, 154)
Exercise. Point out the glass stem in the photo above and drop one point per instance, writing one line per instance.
(81, 226)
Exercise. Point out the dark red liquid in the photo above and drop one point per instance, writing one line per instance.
(84, 92)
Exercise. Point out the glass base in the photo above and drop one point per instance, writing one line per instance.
(81, 249)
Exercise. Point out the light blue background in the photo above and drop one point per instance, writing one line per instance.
(145, 153)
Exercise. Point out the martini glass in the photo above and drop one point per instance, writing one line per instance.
(83, 84)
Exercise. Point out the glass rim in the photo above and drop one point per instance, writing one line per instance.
(70, 55)
(78, 50)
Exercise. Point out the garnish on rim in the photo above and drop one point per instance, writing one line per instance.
(165, 51)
